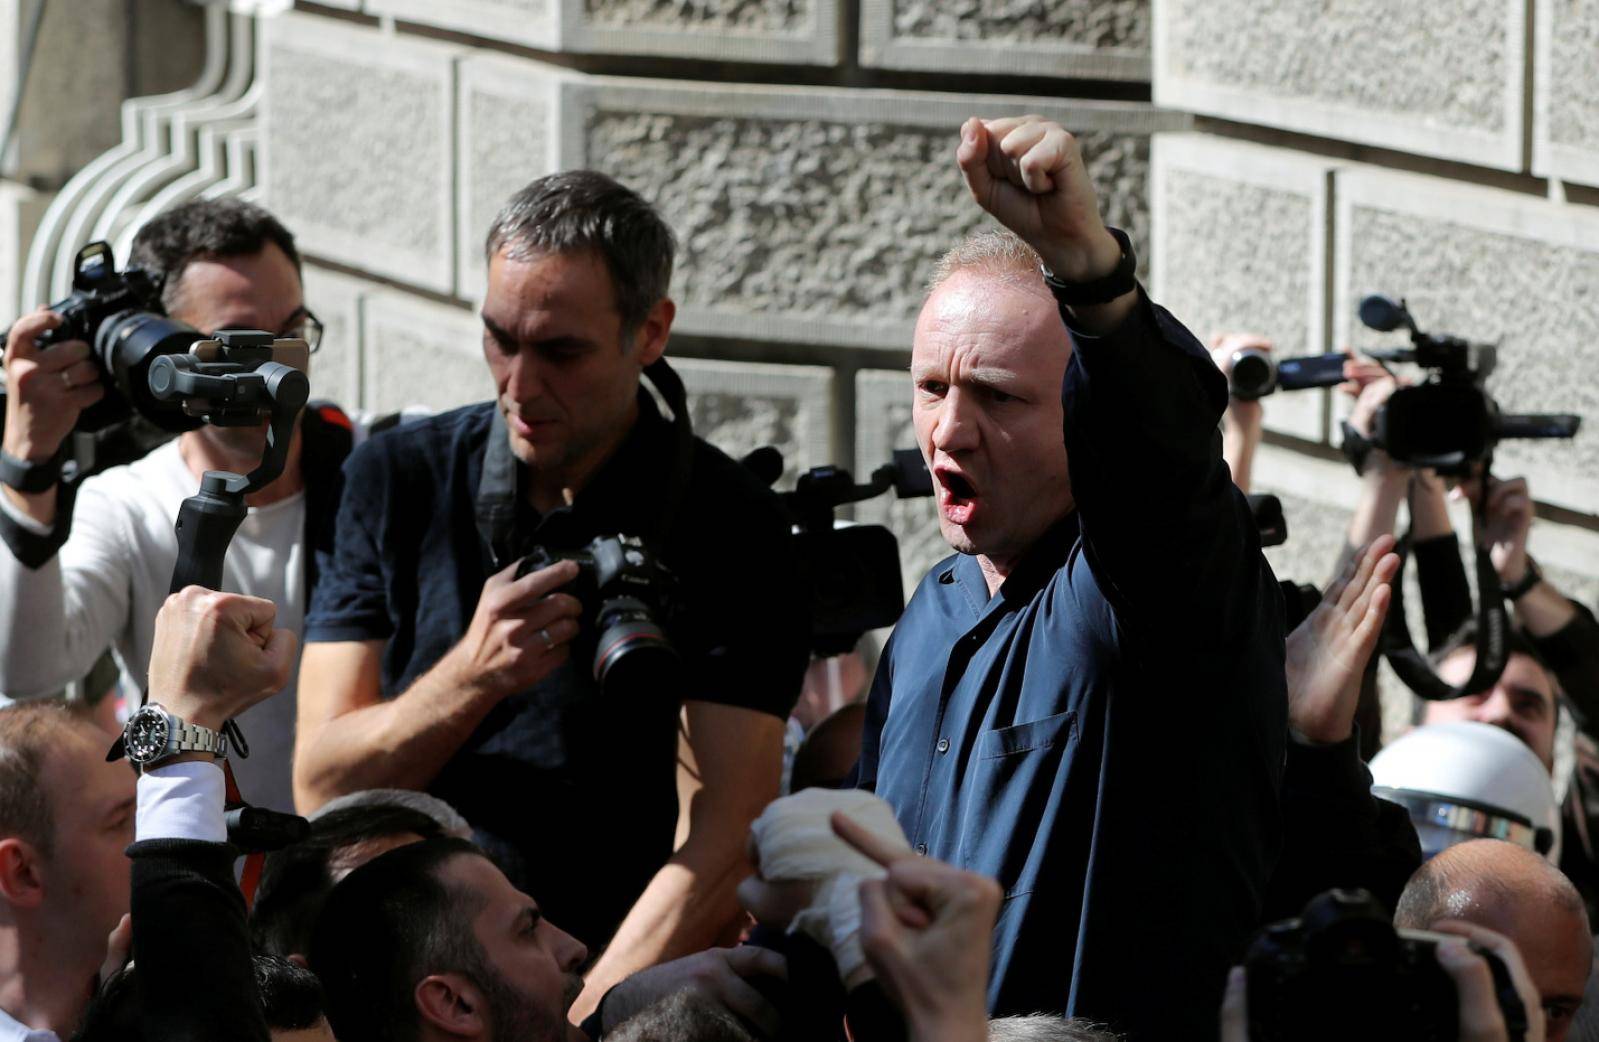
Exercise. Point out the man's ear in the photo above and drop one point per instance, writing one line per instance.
(452, 1005)
(654, 330)
(21, 873)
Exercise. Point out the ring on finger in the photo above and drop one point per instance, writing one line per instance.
(66, 380)
(549, 641)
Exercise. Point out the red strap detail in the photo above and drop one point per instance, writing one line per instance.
(338, 417)
(253, 863)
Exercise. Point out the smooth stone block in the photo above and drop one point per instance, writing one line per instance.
(416, 352)
(357, 132)
(1241, 245)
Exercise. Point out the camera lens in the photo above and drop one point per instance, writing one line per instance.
(633, 651)
(124, 347)
(1254, 375)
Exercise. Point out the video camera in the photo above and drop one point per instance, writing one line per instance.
(1448, 423)
(1255, 373)
(1342, 970)
(625, 594)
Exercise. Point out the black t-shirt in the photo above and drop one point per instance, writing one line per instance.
(574, 794)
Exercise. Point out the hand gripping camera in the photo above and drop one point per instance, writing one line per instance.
(1342, 971)
(625, 594)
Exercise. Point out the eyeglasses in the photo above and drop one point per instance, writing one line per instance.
(308, 328)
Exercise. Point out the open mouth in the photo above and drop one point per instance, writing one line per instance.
(958, 497)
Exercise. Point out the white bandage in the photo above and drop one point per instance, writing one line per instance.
(795, 842)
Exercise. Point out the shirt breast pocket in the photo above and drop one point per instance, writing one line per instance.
(1015, 793)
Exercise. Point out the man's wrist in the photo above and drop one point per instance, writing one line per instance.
(1084, 264)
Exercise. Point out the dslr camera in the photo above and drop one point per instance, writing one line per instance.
(156, 366)
(1449, 422)
(1342, 970)
(626, 594)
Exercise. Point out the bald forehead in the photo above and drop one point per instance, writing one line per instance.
(974, 308)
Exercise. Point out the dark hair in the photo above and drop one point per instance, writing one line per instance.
(580, 210)
(202, 230)
(1516, 643)
(26, 731)
(296, 880)
(290, 998)
(384, 927)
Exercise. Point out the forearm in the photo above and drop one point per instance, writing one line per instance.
(1429, 508)
(44, 644)
(38, 507)
(1543, 611)
(400, 743)
(1382, 489)
(688, 906)
(1238, 444)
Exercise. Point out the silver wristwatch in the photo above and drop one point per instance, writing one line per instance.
(153, 735)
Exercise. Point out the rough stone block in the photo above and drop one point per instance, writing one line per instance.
(793, 31)
(883, 424)
(1081, 39)
(20, 210)
(356, 146)
(335, 299)
(1240, 245)
(1491, 266)
(416, 352)
(506, 122)
(739, 407)
(813, 215)
(1566, 93)
(1351, 69)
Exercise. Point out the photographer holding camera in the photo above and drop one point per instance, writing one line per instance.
(66, 596)
(446, 651)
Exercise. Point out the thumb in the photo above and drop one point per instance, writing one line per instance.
(117, 946)
(279, 653)
(972, 155)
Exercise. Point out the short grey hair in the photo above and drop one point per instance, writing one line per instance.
(996, 252)
(1048, 1027)
(581, 211)
(449, 819)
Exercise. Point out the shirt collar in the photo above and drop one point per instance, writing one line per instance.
(11, 1030)
(1043, 559)
(635, 473)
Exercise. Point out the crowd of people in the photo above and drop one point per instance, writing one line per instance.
(1103, 748)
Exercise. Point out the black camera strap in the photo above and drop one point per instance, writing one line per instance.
(1493, 626)
(502, 487)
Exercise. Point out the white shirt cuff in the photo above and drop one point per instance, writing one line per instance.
(182, 801)
(23, 521)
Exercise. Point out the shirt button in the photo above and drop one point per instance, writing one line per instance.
(943, 745)
(921, 848)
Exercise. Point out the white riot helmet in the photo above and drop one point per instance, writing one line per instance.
(1463, 780)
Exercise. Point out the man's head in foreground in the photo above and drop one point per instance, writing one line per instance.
(1524, 701)
(297, 879)
(66, 818)
(1516, 893)
(431, 941)
(578, 271)
(987, 363)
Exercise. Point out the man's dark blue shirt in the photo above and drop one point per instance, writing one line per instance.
(573, 793)
(1105, 734)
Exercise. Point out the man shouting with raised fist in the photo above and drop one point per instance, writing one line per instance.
(1086, 701)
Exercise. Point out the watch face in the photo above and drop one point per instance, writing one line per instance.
(146, 736)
